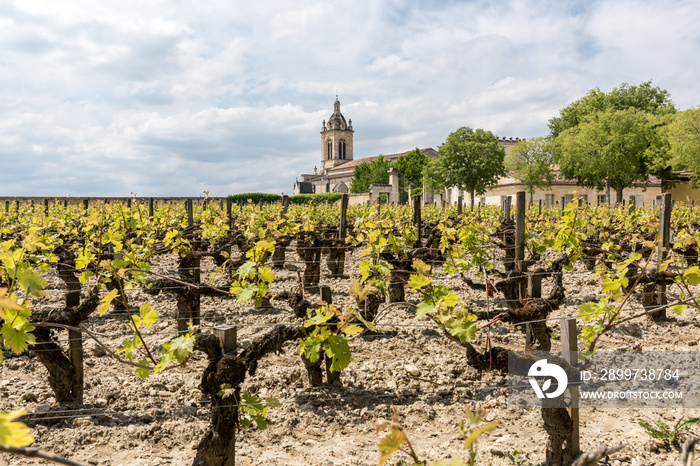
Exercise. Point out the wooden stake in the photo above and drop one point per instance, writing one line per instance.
(520, 239)
(417, 217)
(569, 351)
(190, 212)
(75, 354)
(661, 251)
(227, 336)
(326, 294)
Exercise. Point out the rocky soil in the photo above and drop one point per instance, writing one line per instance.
(159, 420)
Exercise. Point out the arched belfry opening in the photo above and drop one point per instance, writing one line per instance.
(336, 139)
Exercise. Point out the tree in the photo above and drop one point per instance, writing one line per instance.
(684, 140)
(411, 165)
(644, 97)
(529, 161)
(607, 149)
(469, 160)
(651, 103)
(365, 174)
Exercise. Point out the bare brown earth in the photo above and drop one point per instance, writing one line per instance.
(161, 419)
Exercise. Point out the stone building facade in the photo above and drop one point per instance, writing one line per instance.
(337, 160)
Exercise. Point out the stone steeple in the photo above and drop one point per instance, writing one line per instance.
(336, 139)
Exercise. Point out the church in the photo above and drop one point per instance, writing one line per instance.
(337, 162)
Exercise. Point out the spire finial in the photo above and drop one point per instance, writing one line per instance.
(336, 94)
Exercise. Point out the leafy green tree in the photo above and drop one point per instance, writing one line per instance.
(643, 97)
(529, 161)
(650, 103)
(411, 165)
(470, 160)
(607, 149)
(684, 140)
(365, 174)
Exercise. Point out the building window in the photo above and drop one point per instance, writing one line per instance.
(341, 149)
(583, 199)
(549, 200)
(601, 199)
(568, 198)
(329, 149)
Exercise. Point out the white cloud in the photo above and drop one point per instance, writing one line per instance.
(172, 98)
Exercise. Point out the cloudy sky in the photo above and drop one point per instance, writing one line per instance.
(177, 97)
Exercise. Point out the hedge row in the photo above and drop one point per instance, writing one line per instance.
(299, 199)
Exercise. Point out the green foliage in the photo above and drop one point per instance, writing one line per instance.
(442, 305)
(254, 277)
(603, 315)
(469, 160)
(684, 139)
(614, 139)
(14, 434)
(675, 435)
(608, 149)
(331, 339)
(411, 165)
(643, 97)
(396, 439)
(374, 172)
(530, 162)
(250, 407)
(255, 198)
(320, 198)
(515, 459)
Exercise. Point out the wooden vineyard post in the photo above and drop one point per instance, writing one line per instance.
(416, 217)
(661, 250)
(150, 207)
(285, 204)
(336, 255)
(86, 201)
(342, 228)
(189, 303)
(534, 290)
(75, 347)
(46, 207)
(197, 272)
(326, 294)
(505, 208)
(75, 344)
(459, 205)
(520, 253)
(190, 212)
(7, 206)
(520, 239)
(227, 336)
(539, 209)
(569, 351)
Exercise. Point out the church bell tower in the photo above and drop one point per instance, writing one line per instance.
(336, 140)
